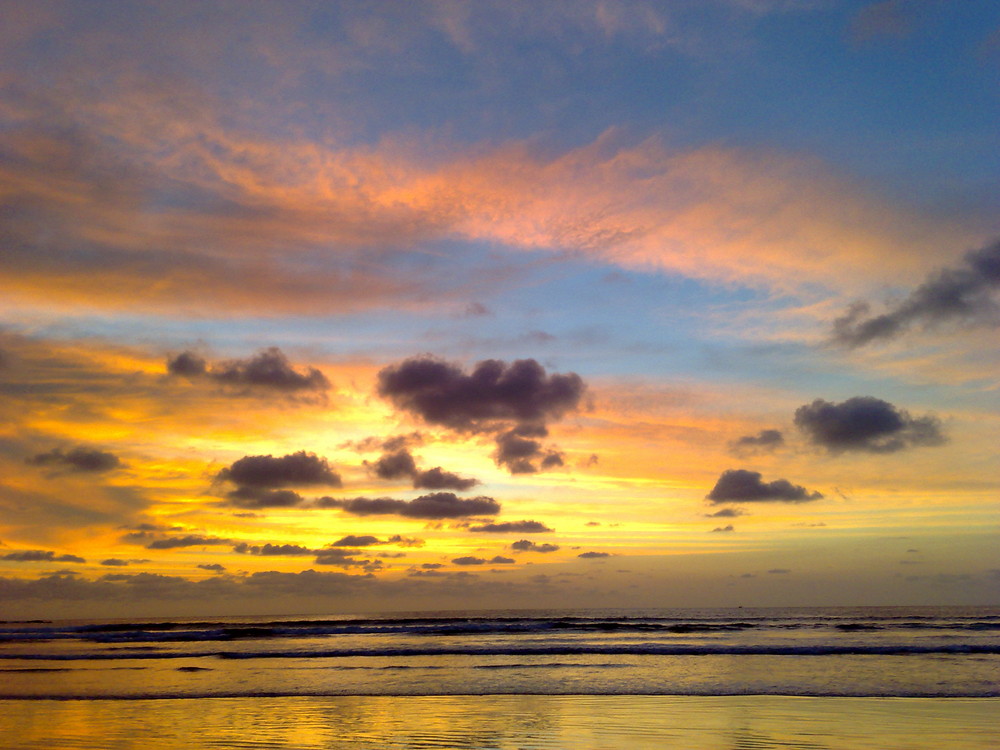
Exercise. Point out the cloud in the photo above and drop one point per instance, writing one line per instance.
(256, 498)
(37, 555)
(519, 453)
(868, 424)
(488, 399)
(518, 527)
(726, 513)
(526, 545)
(272, 550)
(436, 506)
(741, 485)
(345, 558)
(469, 560)
(191, 540)
(299, 468)
(352, 540)
(439, 479)
(404, 541)
(718, 529)
(963, 294)
(77, 460)
(119, 563)
(213, 567)
(395, 465)
(593, 555)
(268, 369)
(765, 440)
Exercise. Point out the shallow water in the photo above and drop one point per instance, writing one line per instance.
(503, 722)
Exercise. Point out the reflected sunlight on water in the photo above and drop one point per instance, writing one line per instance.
(503, 722)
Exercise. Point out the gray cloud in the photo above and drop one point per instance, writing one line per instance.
(436, 506)
(213, 567)
(765, 440)
(256, 498)
(400, 464)
(469, 560)
(593, 555)
(37, 555)
(864, 423)
(299, 468)
(741, 485)
(273, 550)
(518, 527)
(397, 465)
(726, 513)
(268, 369)
(963, 294)
(723, 529)
(520, 454)
(345, 558)
(191, 540)
(526, 545)
(78, 459)
(439, 479)
(351, 540)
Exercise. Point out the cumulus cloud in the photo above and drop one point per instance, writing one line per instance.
(191, 540)
(526, 545)
(272, 550)
(741, 485)
(213, 567)
(37, 555)
(436, 506)
(513, 401)
(726, 513)
(439, 479)
(593, 555)
(469, 560)
(517, 527)
(345, 558)
(405, 541)
(256, 498)
(352, 540)
(401, 464)
(117, 562)
(865, 423)
(964, 294)
(77, 460)
(268, 369)
(723, 529)
(763, 441)
(299, 468)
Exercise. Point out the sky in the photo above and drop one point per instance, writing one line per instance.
(318, 307)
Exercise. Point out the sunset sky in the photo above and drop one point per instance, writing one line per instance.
(319, 307)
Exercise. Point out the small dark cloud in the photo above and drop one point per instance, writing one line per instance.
(521, 454)
(352, 540)
(436, 506)
(191, 540)
(431, 566)
(593, 555)
(865, 423)
(273, 550)
(78, 459)
(518, 527)
(299, 468)
(741, 485)
(405, 541)
(500, 560)
(963, 294)
(120, 563)
(726, 513)
(476, 310)
(779, 571)
(721, 529)
(493, 395)
(763, 441)
(397, 465)
(345, 558)
(468, 560)
(255, 498)
(213, 567)
(37, 555)
(526, 545)
(439, 479)
(268, 369)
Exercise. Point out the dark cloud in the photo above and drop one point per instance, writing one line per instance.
(718, 529)
(213, 567)
(779, 571)
(273, 550)
(726, 513)
(352, 540)
(526, 545)
(404, 541)
(864, 423)
(299, 468)
(78, 459)
(436, 506)
(439, 479)
(501, 560)
(593, 555)
(255, 498)
(345, 558)
(518, 527)
(963, 294)
(269, 369)
(492, 395)
(191, 540)
(765, 440)
(468, 560)
(741, 485)
(396, 465)
(37, 555)
(119, 563)
(519, 452)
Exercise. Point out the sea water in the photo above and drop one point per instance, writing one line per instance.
(589, 678)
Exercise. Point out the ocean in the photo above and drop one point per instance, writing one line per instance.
(797, 677)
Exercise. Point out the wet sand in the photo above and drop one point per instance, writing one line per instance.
(506, 722)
